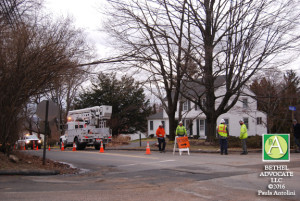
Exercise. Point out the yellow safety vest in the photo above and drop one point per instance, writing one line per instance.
(180, 131)
(244, 133)
(222, 130)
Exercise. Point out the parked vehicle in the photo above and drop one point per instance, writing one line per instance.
(28, 141)
(87, 127)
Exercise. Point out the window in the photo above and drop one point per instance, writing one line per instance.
(196, 107)
(151, 125)
(245, 103)
(246, 122)
(259, 120)
(202, 126)
(226, 121)
(163, 123)
(186, 105)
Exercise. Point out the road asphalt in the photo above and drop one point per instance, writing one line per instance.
(134, 146)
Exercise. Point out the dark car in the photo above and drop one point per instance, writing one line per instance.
(28, 141)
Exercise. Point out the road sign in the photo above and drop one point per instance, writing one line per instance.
(293, 108)
(52, 110)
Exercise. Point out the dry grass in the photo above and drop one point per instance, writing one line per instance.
(119, 140)
(30, 162)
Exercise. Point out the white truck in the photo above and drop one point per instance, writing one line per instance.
(87, 127)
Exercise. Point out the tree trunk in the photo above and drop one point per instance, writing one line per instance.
(211, 128)
(172, 127)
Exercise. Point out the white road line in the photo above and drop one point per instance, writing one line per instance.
(146, 163)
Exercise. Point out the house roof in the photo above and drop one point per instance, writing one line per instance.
(196, 88)
(158, 115)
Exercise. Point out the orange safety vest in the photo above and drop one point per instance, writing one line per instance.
(222, 130)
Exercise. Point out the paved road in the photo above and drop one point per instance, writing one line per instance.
(132, 175)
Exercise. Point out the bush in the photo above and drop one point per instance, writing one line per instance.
(252, 141)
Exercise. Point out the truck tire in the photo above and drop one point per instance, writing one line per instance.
(97, 146)
(80, 146)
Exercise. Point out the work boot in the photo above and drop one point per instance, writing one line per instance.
(243, 153)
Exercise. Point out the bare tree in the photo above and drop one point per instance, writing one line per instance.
(236, 39)
(33, 56)
(63, 94)
(152, 35)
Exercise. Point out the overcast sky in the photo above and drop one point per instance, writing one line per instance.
(86, 15)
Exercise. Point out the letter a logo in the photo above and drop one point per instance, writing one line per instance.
(272, 146)
(276, 147)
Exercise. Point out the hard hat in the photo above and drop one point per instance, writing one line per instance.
(160, 124)
(222, 121)
(242, 120)
(180, 122)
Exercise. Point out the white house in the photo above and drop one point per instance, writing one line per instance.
(195, 120)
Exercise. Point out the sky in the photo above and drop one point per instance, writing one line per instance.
(86, 16)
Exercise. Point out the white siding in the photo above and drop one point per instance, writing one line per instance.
(234, 115)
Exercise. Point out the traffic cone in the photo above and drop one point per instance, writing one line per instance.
(74, 147)
(49, 148)
(62, 146)
(101, 148)
(148, 149)
(24, 147)
(37, 147)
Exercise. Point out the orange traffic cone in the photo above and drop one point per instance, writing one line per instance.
(101, 148)
(37, 147)
(49, 148)
(74, 147)
(62, 146)
(148, 149)
(24, 147)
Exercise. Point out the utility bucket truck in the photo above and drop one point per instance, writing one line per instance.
(87, 127)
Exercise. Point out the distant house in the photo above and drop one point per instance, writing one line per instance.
(195, 120)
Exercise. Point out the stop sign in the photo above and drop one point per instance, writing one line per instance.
(53, 110)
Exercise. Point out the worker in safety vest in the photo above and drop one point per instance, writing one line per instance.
(243, 137)
(223, 134)
(180, 130)
(160, 134)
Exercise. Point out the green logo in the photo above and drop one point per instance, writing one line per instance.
(276, 147)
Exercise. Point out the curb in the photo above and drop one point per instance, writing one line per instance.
(29, 172)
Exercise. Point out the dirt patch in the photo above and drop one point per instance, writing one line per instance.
(30, 162)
